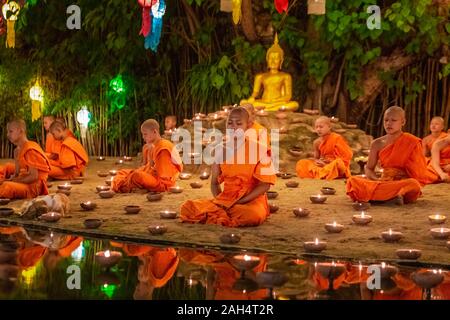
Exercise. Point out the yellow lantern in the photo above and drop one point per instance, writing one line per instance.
(37, 99)
(317, 7)
(10, 12)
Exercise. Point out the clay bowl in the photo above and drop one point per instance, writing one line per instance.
(204, 176)
(296, 152)
(106, 194)
(154, 197)
(273, 208)
(330, 270)
(4, 201)
(185, 176)
(176, 189)
(437, 219)
(292, 184)
(391, 236)
(102, 188)
(64, 187)
(196, 185)
(102, 174)
(230, 238)
(128, 159)
(245, 262)
(50, 216)
(271, 279)
(76, 181)
(168, 214)
(88, 205)
(314, 247)
(427, 279)
(361, 206)
(108, 182)
(318, 199)
(132, 209)
(6, 212)
(334, 227)
(272, 194)
(112, 172)
(92, 223)
(49, 184)
(66, 192)
(101, 158)
(285, 175)
(440, 233)
(328, 190)
(409, 254)
(301, 212)
(157, 229)
(108, 262)
(386, 270)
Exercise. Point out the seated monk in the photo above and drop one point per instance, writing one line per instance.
(53, 146)
(72, 157)
(146, 151)
(440, 159)
(332, 155)
(27, 178)
(276, 85)
(404, 165)
(437, 133)
(262, 133)
(243, 201)
(161, 171)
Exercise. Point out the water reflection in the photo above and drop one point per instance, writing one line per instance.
(37, 264)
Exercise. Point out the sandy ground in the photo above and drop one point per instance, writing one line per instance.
(282, 232)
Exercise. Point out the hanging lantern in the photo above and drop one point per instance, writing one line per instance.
(226, 5)
(146, 17)
(317, 7)
(281, 5)
(117, 93)
(37, 101)
(83, 116)
(158, 11)
(10, 12)
(236, 11)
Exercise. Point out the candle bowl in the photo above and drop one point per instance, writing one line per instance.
(49, 184)
(285, 175)
(176, 189)
(328, 190)
(101, 158)
(230, 238)
(64, 187)
(292, 184)
(440, 233)
(154, 197)
(427, 279)
(334, 228)
(185, 176)
(437, 219)
(391, 236)
(271, 279)
(273, 208)
(245, 262)
(112, 172)
(108, 261)
(297, 152)
(301, 212)
(408, 254)
(204, 176)
(102, 188)
(108, 182)
(386, 270)
(245, 284)
(359, 219)
(132, 209)
(318, 199)
(361, 206)
(119, 162)
(128, 159)
(88, 205)
(272, 194)
(50, 216)
(196, 185)
(4, 201)
(157, 229)
(313, 247)
(106, 194)
(330, 270)
(167, 214)
(76, 181)
(92, 223)
(6, 212)
(102, 174)
(66, 192)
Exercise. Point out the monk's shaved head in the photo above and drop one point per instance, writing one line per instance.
(249, 107)
(240, 112)
(324, 119)
(438, 119)
(395, 110)
(150, 124)
(57, 125)
(18, 123)
(50, 116)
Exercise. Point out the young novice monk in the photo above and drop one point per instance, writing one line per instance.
(261, 132)
(71, 159)
(332, 155)
(440, 158)
(53, 146)
(28, 175)
(246, 172)
(160, 172)
(437, 132)
(404, 166)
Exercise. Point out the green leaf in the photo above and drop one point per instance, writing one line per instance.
(218, 81)
(224, 62)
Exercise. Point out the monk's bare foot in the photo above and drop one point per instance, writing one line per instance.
(399, 200)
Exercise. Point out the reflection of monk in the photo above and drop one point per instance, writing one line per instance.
(63, 249)
(276, 85)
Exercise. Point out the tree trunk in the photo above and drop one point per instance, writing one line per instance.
(248, 22)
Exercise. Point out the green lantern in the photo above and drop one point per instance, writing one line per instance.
(117, 93)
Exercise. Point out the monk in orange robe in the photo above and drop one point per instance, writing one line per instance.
(440, 159)
(72, 157)
(31, 167)
(261, 133)
(404, 165)
(160, 173)
(247, 174)
(146, 153)
(53, 146)
(332, 155)
(437, 133)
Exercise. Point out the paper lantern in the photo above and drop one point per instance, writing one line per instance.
(37, 99)
(236, 13)
(10, 12)
(226, 5)
(83, 116)
(316, 7)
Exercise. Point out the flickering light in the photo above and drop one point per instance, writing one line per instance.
(36, 92)
(83, 116)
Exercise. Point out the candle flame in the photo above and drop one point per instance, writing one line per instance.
(362, 214)
(316, 242)
(383, 265)
(334, 224)
(107, 254)
(390, 232)
(442, 230)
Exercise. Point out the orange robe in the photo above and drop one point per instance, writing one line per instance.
(239, 180)
(72, 243)
(159, 174)
(432, 140)
(404, 171)
(406, 290)
(159, 266)
(54, 146)
(7, 170)
(333, 148)
(444, 159)
(145, 154)
(71, 162)
(31, 155)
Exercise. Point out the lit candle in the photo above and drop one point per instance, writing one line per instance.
(437, 219)
(107, 253)
(362, 219)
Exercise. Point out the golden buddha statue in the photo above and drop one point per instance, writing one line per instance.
(276, 85)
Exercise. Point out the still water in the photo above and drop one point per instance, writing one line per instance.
(46, 265)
